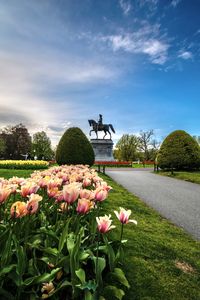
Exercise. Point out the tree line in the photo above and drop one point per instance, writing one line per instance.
(17, 143)
(132, 147)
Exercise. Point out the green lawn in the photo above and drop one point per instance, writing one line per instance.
(187, 176)
(161, 260)
(7, 173)
(142, 166)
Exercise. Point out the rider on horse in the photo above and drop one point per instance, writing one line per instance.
(100, 122)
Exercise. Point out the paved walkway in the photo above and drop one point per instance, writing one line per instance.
(177, 200)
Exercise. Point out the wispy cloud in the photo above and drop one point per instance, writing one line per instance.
(125, 6)
(41, 71)
(145, 40)
(29, 86)
(174, 3)
(185, 54)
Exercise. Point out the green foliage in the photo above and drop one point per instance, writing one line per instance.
(2, 147)
(187, 176)
(41, 146)
(17, 140)
(126, 148)
(131, 147)
(74, 148)
(179, 151)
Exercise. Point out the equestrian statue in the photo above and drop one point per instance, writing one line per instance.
(99, 126)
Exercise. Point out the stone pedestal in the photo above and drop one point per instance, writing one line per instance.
(103, 149)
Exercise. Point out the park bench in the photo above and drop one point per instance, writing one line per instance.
(101, 165)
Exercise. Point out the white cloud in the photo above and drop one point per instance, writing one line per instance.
(185, 54)
(28, 83)
(174, 3)
(140, 43)
(125, 6)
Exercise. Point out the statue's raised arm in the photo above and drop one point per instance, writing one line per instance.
(99, 126)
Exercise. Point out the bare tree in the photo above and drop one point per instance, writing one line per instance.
(145, 143)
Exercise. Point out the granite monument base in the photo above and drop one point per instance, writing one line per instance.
(103, 149)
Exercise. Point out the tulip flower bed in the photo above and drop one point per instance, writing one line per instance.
(24, 164)
(54, 238)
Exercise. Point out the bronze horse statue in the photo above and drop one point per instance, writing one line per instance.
(100, 127)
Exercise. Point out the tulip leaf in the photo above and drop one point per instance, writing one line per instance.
(88, 295)
(52, 251)
(84, 255)
(7, 252)
(70, 242)
(7, 270)
(119, 275)
(63, 237)
(114, 291)
(90, 285)
(100, 264)
(46, 277)
(21, 262)
(80, 273)
(111, 254)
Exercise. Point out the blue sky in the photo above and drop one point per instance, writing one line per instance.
(136, 62)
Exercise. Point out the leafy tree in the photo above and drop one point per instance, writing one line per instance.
(41, 146)
(126, 148)
(2, 147)
(179, 151)
(17, 140)
(145, 143)
(74, 148)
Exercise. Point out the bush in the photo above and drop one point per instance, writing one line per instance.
(179, 151)
(74, 148)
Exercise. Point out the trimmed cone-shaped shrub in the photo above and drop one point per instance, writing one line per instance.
(178, 151)
(74, 148)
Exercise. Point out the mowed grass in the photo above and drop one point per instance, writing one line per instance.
(161, 261)
(187, 176)
(7, 173)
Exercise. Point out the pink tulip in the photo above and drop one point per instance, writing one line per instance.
(54, 182)
(30, 187)
(64, 207)
(87, 182)
(100, 194)
(86, 194)
(104, 186)
(52, 192)
(18, 209)
(43, 182)
(124, 215)
(104, 223)
(83, 206)
(59, 196)
(32, 205)
(71, 192)
(4, 193)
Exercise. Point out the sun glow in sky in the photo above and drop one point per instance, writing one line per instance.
(136, 62)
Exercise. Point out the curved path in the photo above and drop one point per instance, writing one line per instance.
(177, 200)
